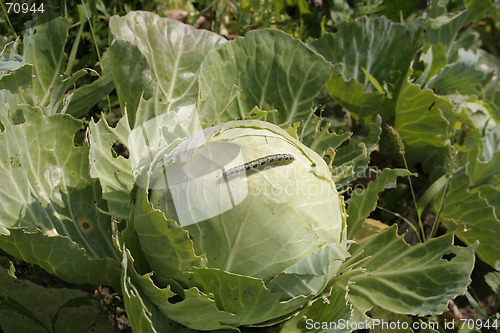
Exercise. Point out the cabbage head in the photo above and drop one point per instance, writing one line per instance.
(215, 246)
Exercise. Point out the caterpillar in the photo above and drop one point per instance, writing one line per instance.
(259, 163)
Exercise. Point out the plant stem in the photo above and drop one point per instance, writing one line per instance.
(8, 20)
(475, 304)
(414, 228)
(193, 21)
(74, 48)
(420, 224)
(87, 16)
(436, 219)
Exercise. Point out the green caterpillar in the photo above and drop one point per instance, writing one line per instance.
(259, 163)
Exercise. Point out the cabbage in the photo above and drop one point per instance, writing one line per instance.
(234, 247)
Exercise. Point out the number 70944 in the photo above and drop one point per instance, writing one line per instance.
(24, 8)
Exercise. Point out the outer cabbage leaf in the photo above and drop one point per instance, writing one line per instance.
(18, 83)
(45, 51)
(351, 161)
(171, 252)
(164, 54)
(27, 307)
(88, 95)
(422, 118)
(130, 70)
(362, 52)
(384, 271)
(165, 244)
(40, 82)
(333, 308)
(49, 213)
(47, 87)
(444, 29)
(493, 280)
(433, 58)
(364, 202)
(268, 69)
(471, 206)
(143, 315)
(114, 173)
(460, 77)
(315, 133)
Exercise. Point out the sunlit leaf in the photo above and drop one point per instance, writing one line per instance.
(387, 272)
(270, 70)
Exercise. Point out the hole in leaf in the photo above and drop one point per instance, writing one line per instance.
(175, 299)
(118, 149)
(80, 136)
(17, 117)
(449, 256)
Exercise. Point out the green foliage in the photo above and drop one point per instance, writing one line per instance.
(363, 202)
(51, 187)
(114, 171)
(163, 65)
(377, 273)
(351, 161)
(493, 280)
(28, 307)
(271, 79)
(420, 117)
(470, 206)
(78, 208)
(41, 83)
(350, 85)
